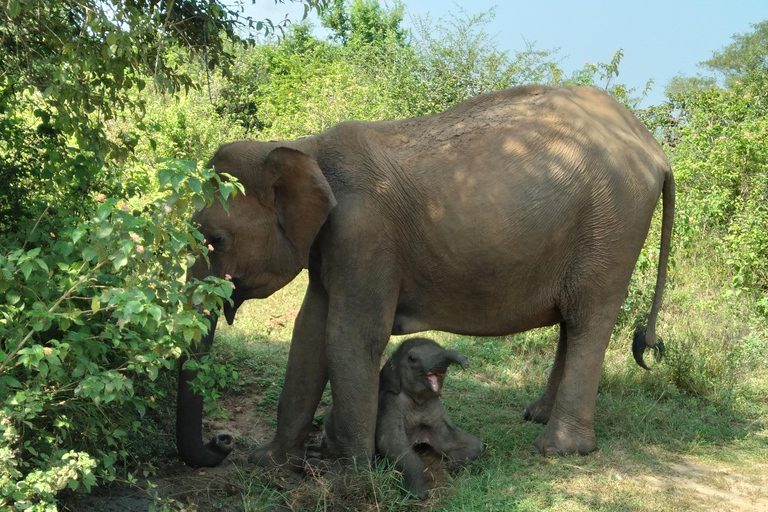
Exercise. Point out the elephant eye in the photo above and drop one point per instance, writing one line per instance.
(215, 240)
(412, 358)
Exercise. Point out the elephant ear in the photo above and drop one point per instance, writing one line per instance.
(303, 197)
(389, 377)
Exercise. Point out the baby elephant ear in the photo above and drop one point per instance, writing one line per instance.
(389, 378)
(454, 357)
(303, 197)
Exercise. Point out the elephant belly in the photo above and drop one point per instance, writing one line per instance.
(464, 319)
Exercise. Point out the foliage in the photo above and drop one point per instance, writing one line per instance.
(364, 23)
(457, 59)
(94, 236)
(603, 75)
(721, 165)
(680, 85)
(71, 66)
(92, 312)
(716, 141)
(301, 85)
(748, 53)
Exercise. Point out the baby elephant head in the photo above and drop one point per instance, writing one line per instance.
(418, 368)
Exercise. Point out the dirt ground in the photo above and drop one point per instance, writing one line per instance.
(716, 488)
(220, 488)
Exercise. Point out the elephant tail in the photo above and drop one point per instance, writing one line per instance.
(647, 338)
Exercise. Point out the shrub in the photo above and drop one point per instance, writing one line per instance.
(720, 159)
(91, 311)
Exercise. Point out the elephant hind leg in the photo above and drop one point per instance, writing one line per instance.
(540, 409)
(459, 447)
(570, 428)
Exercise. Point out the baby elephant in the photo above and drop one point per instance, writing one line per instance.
(410, 412)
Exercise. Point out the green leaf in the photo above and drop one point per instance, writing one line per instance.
(195, 185)
(103, 232)
(156, 311)
(120, 260)
(12, 297)
(198, 202)
(89, 253)
(11, 382)
(14, 9)
(164, 176)
(152, 372)
(226, 188)
(77, 234)
(104, 211)
(26, 268)
(95, 304)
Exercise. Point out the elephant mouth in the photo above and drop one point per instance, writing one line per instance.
(237, 298)
(434, 380)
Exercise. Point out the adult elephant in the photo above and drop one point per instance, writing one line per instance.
(512, 210)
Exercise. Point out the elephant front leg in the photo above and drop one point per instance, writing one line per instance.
(358, 330)
(540, 409)
(305, 379)
(396, 448)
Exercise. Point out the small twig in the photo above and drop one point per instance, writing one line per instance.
(652, 407)
(35, 226)
(169, 5)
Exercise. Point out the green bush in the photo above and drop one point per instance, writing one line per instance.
(91, 311)
(720, 160)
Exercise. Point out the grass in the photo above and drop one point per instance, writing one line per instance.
(690, 435)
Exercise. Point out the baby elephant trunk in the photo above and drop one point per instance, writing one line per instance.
(454, 357)
(447, 358)
(437, 370)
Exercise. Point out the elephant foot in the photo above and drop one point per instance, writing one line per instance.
(471, 450)
(271, 454)
(538, 411)
(342, 476)
(416, 484)
(222, 443)
(557, 439)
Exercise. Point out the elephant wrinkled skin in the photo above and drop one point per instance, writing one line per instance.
(512, 210)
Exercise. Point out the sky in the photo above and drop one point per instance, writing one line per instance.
(660, 38)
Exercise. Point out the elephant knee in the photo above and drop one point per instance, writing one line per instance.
(471, 448)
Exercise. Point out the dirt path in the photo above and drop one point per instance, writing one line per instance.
(716, 488)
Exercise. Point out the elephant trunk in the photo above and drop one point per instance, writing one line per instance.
(189, 414)
(447, 357)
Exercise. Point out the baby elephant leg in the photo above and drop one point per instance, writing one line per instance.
(458, 446)
(408, 463)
